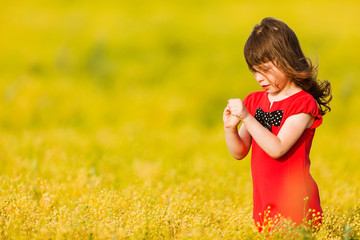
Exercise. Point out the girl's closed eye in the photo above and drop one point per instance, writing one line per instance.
(260, 69)
(265, 68)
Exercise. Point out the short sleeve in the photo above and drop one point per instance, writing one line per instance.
(306, 104)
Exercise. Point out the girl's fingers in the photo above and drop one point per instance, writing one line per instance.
(227, 111)
(238, 116)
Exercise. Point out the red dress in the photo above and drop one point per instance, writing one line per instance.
(283, 184)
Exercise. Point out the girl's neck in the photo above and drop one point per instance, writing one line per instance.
(285, 92)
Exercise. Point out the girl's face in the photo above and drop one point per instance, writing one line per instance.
(271, 78)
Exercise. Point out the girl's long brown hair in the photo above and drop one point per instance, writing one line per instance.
(273, 40)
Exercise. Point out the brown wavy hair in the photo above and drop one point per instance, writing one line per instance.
(273, 40)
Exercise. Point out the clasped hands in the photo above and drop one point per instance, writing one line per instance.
(234, 113)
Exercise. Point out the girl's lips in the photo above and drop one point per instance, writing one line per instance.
(265, 87)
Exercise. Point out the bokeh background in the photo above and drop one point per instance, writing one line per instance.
(127, 97)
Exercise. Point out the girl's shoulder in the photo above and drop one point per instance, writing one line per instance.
(303, 99)
(305, 103)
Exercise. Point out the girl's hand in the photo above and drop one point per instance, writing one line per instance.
(230, 121)
(237, 108)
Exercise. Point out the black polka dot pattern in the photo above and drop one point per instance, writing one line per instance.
(267, 119)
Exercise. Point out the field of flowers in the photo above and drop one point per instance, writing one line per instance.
(111, 118)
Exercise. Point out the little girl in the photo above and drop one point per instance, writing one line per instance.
(279, 122)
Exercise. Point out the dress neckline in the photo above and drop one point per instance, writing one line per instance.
(271, 104)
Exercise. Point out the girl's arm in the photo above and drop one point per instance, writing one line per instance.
(274, 146)
(277, 146)
(238, 142)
